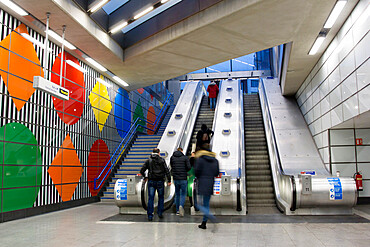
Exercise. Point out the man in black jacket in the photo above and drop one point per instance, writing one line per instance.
(157, 171)
(180, 166)
(206, 169)
(204, 135)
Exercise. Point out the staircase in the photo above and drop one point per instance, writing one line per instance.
(260, 192)
(138, 154)
(205, 116)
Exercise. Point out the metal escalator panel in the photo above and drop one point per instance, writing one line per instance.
(294, 157)
(180, 126)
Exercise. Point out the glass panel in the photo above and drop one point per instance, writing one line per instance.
(221, 67)
(245, 63)
(198, 71)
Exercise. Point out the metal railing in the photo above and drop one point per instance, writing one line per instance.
(126, 140)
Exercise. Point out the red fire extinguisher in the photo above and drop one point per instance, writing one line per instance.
(358, 178)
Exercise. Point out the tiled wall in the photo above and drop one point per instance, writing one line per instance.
(51, 150)
(347, 157)
(338, 87)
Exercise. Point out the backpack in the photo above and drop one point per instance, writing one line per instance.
(155, 169)
(205, 137)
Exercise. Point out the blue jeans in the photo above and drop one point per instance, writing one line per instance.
(152, 187)
(212, 102)
(204, 207)
(180, 190)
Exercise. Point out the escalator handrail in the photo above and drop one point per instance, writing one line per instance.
(281, 171)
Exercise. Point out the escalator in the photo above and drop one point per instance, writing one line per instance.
(205, 116)
(260, 191)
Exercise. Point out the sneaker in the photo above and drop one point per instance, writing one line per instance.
(150, 219)
(181, 211)
(177, 213)
(160, 216)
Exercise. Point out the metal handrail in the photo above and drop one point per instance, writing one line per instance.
(123, 144)
(281, 171)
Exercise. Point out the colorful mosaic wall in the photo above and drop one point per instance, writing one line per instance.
(51, 150)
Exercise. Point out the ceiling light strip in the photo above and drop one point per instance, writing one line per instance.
(76, 66)
(150, 15)
(316, 45)
(103, 82)
(96, 64)
(120, 81)
(14, 7)
(335, 13)
(98, 6)
(60, 40)
(144, 12)
(119, 27)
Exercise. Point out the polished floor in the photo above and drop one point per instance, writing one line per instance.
(99, 225)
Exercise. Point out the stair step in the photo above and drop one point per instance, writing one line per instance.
(258, 172)
(258, 167)
(261, 196)
(260, 190)
(253, 178)
(259, 184)
(261, 202)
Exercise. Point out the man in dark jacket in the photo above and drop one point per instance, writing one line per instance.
(180, 166)
(157, 171)
(206, 169)
(204, 135)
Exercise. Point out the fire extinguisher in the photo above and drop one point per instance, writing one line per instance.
(358, 178)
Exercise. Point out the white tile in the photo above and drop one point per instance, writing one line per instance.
(350, 108)
(304, 108)
(321, 151)
(327, 165)
(317, 126)
(362, 50)
(299, 101)
(309, 103)
(364, 168)
(318, 140)
(316, 97)
(346, 170)
(364, 134)
(358, 10)
(366, 191)
(364, 99)
(337, 115)
(342, 137)
(347, 66)
(345, 28)
(363, 153)
(335, 97)
(363, 75)
(361, 25)
(349, 86)
(312, 129)
(310, 116)
(333, 61)
(334, 79)
(326, 121)
(316, 112)
(325, 105)
(325, 138)
(326, 155)
(333, 45)
(324, 89)
(345, 46)
(342, 154)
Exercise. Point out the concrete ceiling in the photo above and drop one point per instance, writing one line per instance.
(229, 29)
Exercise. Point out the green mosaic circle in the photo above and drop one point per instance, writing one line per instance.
(21, 170)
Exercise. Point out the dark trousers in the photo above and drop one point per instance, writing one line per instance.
(152, 187)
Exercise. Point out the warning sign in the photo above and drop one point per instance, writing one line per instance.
(120, 189)
(217, 187)
(335, 189)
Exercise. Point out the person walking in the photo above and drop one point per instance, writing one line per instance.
(206, 169)
(180, 165)
(204, 135)
(157, 171)
(212, 90)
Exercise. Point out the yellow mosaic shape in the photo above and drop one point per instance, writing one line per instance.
(102, 106)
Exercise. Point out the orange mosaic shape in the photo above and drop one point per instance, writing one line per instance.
(66, 170)
(18, 67)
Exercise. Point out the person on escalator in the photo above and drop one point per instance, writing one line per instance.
(157, 172)
(180, 165)
(206, 169)
(212, 90)
(204, 135)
